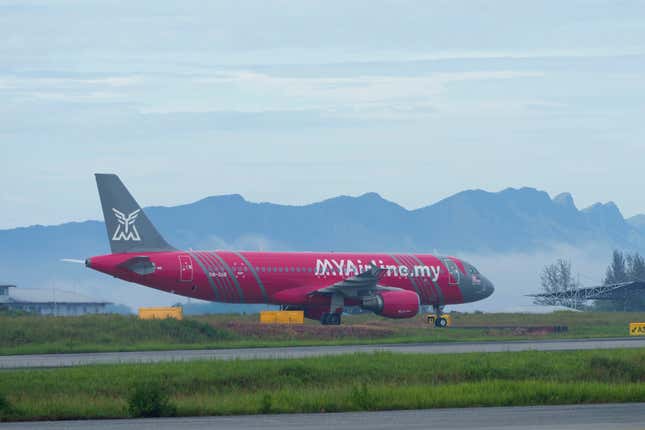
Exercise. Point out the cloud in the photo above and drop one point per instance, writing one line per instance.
(72, 89)
(246, 242)
(361, 88)
(366, 96)
(245, 91)
(511, 54)
(26, 82)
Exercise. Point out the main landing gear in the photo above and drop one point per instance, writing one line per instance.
(337, 302)
(330, 319)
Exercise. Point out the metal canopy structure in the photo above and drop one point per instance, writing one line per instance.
(49, 301)
(575, 297)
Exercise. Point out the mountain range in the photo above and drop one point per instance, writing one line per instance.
(473, 221)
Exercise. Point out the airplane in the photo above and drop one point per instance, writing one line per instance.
(322, 284)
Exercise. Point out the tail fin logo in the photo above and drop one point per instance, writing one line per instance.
(126, 230)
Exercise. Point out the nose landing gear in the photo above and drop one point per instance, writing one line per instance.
(437, 318)
(441, 322)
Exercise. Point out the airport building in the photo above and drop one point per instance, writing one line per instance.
(49, 301)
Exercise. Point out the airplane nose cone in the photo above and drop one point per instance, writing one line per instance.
(479, 289)
(488, 287)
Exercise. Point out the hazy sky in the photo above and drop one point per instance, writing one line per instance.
(296, 101)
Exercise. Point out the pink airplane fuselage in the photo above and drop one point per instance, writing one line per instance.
(288, 278)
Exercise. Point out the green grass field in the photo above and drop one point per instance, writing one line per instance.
(344, 383)
(27, 334)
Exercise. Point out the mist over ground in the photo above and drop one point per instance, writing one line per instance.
(514, 274)
(517, 274)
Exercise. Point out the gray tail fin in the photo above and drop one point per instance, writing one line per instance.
(128, 227)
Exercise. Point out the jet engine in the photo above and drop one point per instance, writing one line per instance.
(393, 304)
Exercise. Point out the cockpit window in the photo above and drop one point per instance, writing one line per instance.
(473, 270)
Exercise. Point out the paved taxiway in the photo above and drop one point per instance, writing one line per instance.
(63, 360)
(587, 417)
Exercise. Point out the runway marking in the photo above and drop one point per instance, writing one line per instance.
(67, 360)
(573, 417)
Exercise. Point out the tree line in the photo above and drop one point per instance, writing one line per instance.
(625, 268)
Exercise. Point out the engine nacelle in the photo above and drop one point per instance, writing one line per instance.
(393, 304)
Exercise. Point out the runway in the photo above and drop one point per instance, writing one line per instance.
(66, 360)
(587, 417)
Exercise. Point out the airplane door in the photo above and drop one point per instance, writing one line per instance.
(453, 272)
(185, 268)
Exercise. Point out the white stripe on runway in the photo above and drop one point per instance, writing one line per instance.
(66, 360)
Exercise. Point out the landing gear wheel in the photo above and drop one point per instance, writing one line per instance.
(334, 319)
(441, 322)
(330, 319)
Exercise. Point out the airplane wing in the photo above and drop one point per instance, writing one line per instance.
(363, 284)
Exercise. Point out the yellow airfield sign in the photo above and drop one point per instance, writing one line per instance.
(637, 329)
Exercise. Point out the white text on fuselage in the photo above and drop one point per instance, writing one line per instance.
(351, 268)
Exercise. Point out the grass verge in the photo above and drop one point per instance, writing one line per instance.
(26, 334)
(355, 382)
